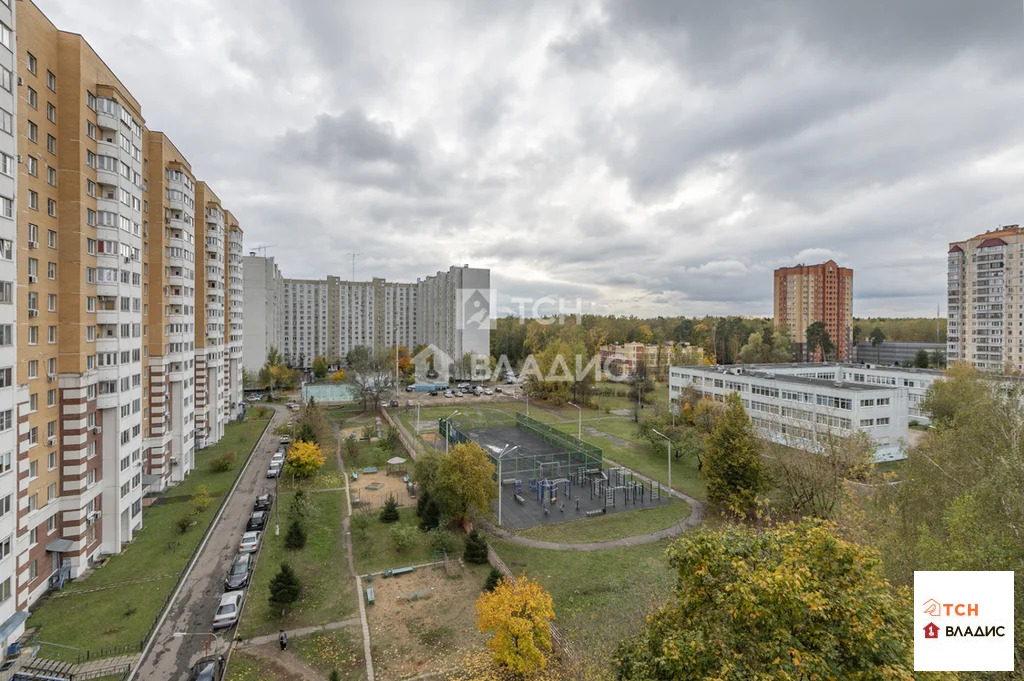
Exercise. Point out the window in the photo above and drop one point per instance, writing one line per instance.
(51, 492)
(6, 249)
(33, 469)
(5, 586)
(33, 99)
(33, 132)
(51, 302)
(51, 176)
(6, 335)
(6, 121)
(6, 376)
(6, 36)
(31, 60)
(90, 129)
(33, 200)
(51, 112)
(6, 207)
(51, 81)
(5, 547)
(7, 164)
(5, 79)
(51, 208)
(90, 100)
(51, 238)
(51, 523)
(33, 368)
(5, 462)
(51, 270)
(33, 335)
(51, 397)
(6, 292)
(51, 144)
(51, 334)
(6, 419)
(32, 166)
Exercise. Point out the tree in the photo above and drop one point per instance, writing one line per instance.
(430, 518)
(812, 483)
(338, 376)
(733, 472)
(938, 359)
(876, 338)
(796, 602)
(402, 537)
(706, 414)
(295, 538)
(494, 577)
(921, 359)
(464, 485)
(370, 373)
(857, 333)
(320, 367)
(389, 512)
(476, 549)
(961, 387)
(424, 470)
(518, 614)
(818, 339)
(359, 523)
(766, 348)
(285, 588)
(304, 459)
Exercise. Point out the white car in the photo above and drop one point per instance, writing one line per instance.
(274, 470)
(278, 458)
(447, 393)
(488, 391)
(250, 542)
(227, 613)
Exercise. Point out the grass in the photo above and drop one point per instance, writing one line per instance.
(600, 597)
(615, 526)
(340, 649)
(158, 553)
(375, 552)
(327, 591)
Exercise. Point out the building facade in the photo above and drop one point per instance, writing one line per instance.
(97, 310)
(985, 281)
(802, 408)
(806, 294)
(892, 353)
(306, 318)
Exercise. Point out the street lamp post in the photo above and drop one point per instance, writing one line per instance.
(447, 430)
(669, 457)
(579, 425)
(500, 457)
(277, 506)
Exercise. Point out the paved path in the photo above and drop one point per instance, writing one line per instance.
(195, 604)
(302, 631)
(695, 518)
(285, 665)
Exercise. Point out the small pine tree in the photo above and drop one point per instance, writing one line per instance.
(335, 676)
(389, 514)
(285, 588)
(476, 549)
(493, 577)
(296, 537)
(733, 471)
(421, 502)
(431, 517)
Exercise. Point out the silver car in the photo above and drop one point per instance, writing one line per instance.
(227, 612)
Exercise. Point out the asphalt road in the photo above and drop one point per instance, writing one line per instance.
(192, 611)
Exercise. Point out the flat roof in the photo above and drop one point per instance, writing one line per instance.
(757, 371)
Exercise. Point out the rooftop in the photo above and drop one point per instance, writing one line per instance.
(770, 372)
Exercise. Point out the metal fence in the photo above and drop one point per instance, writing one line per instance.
(589, 453)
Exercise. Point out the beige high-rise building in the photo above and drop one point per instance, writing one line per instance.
(985, 282)
(806, 294)
(99, 305)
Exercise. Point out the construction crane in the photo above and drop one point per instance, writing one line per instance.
(252, 251)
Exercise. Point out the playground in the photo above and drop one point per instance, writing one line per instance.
(370, 487)
(550, 477)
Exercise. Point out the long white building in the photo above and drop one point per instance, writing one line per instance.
(306, 318)
(798, 404)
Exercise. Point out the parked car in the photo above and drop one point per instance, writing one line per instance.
(263, 502)
(488, 391)
(497, 390)
(256, 521)
(274, 470)
(447, 393)
(209, 668)
(433, 393)
(393, 403)
(238, 573)
(250, 542)
(278, 458)
(285, 439)
(227, 612)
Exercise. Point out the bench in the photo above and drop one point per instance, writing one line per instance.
(398, 571)
(355, 476)
(520, 499)
(405, 478)
(369, 595)
(370, 469)
(596, 512)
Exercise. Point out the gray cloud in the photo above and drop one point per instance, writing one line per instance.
(650, 156)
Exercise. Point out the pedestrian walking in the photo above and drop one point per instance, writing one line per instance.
(282, 638)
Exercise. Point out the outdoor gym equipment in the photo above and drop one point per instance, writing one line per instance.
(415, 595)
(397, 571)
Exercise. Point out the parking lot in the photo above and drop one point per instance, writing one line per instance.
(193, 610)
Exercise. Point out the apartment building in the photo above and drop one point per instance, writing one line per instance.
(800, 409)
(262, 309)
(986, 300)
(169, 276)
(806, 294)
(234, 301)
(211, 279)
(98, 300)
(622, 359)
(330, 316)
(11, 617)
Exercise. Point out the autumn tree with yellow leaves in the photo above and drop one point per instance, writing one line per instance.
(518, 613)
(304, 459)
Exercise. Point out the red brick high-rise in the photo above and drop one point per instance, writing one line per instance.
(816, 293)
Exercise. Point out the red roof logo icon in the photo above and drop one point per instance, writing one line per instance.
(931, 630)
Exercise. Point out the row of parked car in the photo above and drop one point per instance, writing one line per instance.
(242, 564)
(277, 461)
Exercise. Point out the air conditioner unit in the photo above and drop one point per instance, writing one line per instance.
(20, 81)
(33, 244)
(50, 378)
(52, 441)
(97, 429)
(33, 313)
(127, 258)
(32, 278)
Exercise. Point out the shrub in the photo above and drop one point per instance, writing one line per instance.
(296, 537)
(389, 514)
(360, 523)
(335, 675)
(493, 577)
(442, 540)
(431, 516)
(184, 522)
(304, 459)
(301, 508)
(285, 588)
(223, 463)
(476, 549)
(201, 500)
(402, 537)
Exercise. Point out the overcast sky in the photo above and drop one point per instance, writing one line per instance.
(651, 157)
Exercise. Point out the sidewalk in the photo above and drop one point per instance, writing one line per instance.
(302, 631)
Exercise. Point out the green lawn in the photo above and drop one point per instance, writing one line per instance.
(603, 528)
(600, 597)
(328, 477)
(159, 552)
(340, 649)
(375, 552)
(327, 591)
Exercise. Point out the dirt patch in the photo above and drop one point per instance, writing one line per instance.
(614, 439)
(411, 637)
(374, 498)
(283, 664)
